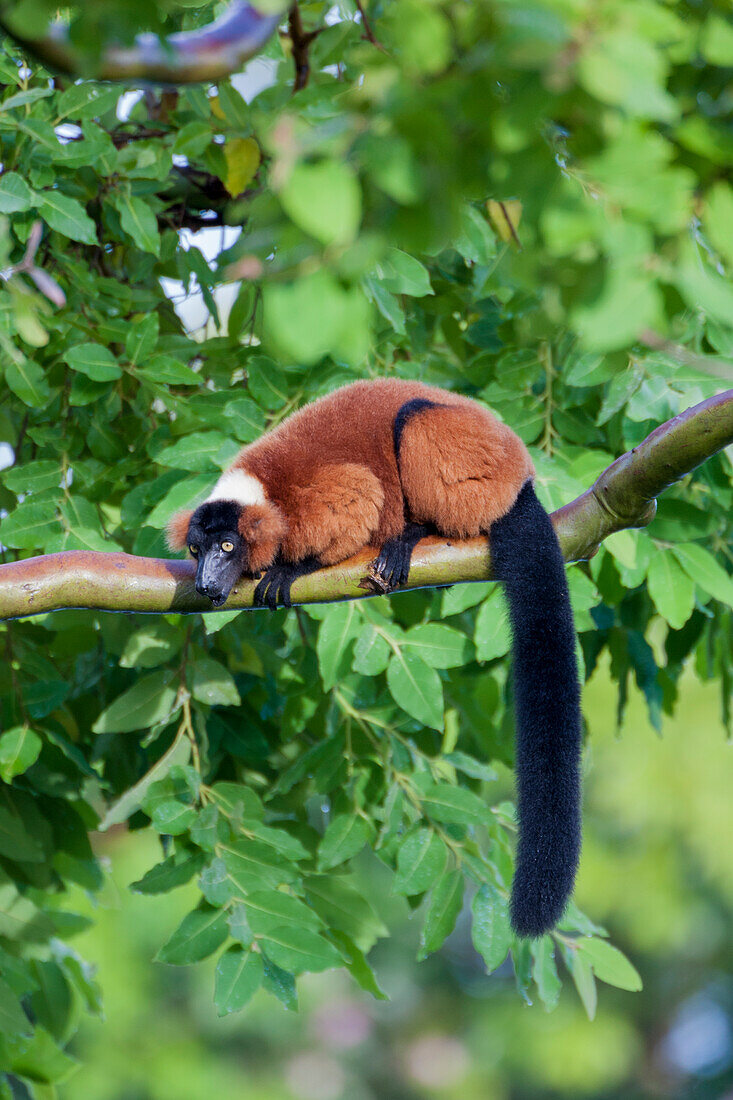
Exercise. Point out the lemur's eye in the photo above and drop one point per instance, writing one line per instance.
(194, 550)
(227, 546)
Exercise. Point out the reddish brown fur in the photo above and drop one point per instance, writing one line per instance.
(335, 514)
(263, 527)
(177, 531)
(330, 472)
(461, 468)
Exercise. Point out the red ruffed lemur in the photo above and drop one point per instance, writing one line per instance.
(382, 464)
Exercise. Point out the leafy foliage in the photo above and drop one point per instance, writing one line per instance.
(522, 202)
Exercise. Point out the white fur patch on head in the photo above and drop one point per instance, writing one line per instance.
(238, 486)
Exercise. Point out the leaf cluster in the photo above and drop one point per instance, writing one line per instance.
(528, 203)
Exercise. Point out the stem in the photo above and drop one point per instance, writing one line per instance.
(623, 496)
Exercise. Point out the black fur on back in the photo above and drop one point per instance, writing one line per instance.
(405, 413)
(526, 557)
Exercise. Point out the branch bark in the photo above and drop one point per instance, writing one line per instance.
(207, 54)
(623, 496)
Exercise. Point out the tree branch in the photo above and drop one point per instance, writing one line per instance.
(623, 496)
(207, 54)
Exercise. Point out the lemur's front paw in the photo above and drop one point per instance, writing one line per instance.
(274, 587)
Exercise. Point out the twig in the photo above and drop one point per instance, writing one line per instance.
(623, 496)
(301, 41)
(368, 32)
(27, 266)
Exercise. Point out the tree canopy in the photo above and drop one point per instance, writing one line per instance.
(529, 202)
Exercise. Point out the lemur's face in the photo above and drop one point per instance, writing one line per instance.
(220, 551)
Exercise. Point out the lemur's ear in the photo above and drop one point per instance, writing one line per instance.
(263, 528)
(177, 531)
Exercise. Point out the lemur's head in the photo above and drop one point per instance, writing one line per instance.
(235, 532)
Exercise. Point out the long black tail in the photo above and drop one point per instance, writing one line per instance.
(526, 556)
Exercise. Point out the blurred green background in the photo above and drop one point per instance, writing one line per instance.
(656, 869)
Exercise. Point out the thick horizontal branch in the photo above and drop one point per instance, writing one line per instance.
(207, 54)
(623, 496)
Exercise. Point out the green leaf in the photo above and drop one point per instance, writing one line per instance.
(153, 644)
(139, 222)
(401, 273)
(279, 839)
(342, 906)
(28, 526)
(281, 984)
(197, 451)
(66, 216)
(624, 69)
(173, 818)
(371, 651)
(305, 319)
(28, 95)
(169, 874)
(357, 965)
(493, 636)
(132, 799)
(462, 596)
(14, 1023)
(164, 370)
(43, 1062)
(609, 964)
(237, 800)
(345, 836)
(716, 43)
(544, 972)
(439, 646)
(421, 859)
(336, 631)
(446, 900)
(149, 701)
(490, 930)
(239, 926)
(212, 683)
(466, 764)
(416, 687)
(298, 949)
(15, 194)
(33, 477)
(253, 865)
(198, 935)
(97, 362)
(247, 419)
(192, 139)
(324, 199)
(705, 570)
(672, 590)
(585, 982)
(87, 100)
(455, 805)
(239, 975)
(142, 338)
(26, 379)
(267, 908)
(20, 747)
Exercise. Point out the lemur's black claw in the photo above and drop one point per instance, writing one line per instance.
(274, 588)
